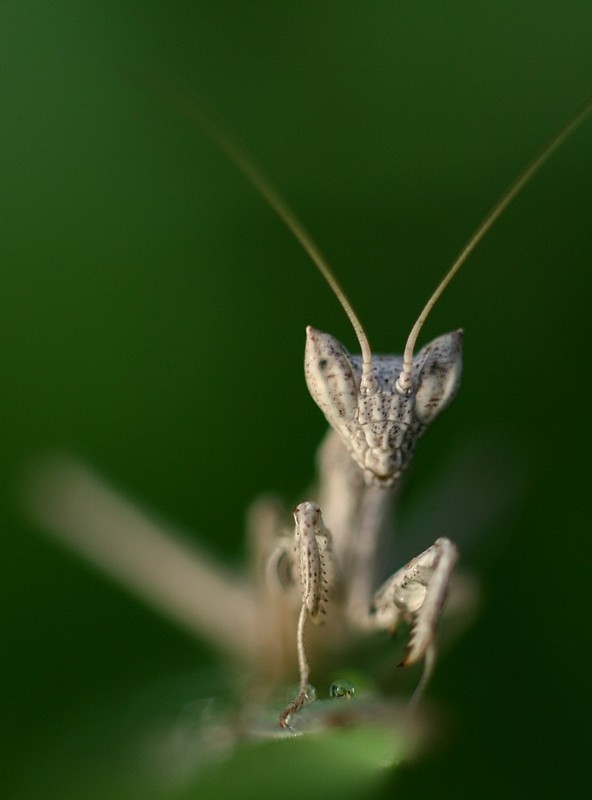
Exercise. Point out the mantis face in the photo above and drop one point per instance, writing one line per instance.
(380, 425)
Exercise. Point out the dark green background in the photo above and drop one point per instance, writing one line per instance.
(153, 313)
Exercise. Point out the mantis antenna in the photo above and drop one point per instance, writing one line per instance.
(404, 383)
(244, 161)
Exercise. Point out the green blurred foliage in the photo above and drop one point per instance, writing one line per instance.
(152, 323)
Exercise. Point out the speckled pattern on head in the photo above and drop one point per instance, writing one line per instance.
(381, 427)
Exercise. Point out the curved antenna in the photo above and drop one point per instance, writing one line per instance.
(236, 152)
(405, 381)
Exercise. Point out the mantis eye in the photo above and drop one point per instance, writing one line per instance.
(331, 377)
(440, 367)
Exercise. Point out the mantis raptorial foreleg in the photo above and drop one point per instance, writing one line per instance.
(312, 551)
(416, 594)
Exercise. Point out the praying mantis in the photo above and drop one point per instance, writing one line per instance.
(331, 566)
